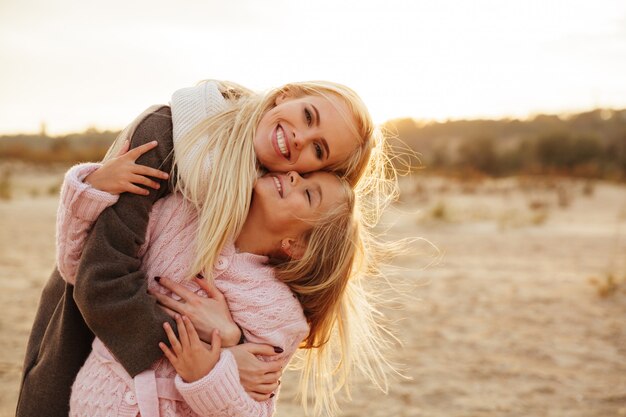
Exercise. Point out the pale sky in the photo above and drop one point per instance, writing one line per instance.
(81, 63)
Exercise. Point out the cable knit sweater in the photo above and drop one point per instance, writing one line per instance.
(265, 308)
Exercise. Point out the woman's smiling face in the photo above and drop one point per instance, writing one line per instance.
(305, 134)
(289, 204)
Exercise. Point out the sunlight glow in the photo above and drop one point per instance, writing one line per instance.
(76, 64)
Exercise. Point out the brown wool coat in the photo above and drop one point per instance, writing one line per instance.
(109, 300)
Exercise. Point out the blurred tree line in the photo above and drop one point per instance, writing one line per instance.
(590, 144)
(90, 145)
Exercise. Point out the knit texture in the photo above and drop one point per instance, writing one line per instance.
(265, 308)
(190, 106)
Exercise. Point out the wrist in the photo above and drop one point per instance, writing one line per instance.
(233, 336)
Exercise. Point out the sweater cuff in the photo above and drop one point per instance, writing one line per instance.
(216, 390)
(81, 199)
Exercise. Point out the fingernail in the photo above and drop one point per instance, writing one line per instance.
(278, 349)
(272, 395)
(199, 276)
(157, 279)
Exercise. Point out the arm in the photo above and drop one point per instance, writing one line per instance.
(268, 313)
(79, 206)
(207, 379)
(87, 190)
(110, 289)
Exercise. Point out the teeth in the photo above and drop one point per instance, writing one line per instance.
(280, 138)
(280, 188)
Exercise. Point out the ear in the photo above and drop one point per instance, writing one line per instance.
(292, 248)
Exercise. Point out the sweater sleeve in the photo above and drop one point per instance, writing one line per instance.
(110, 289)
(268, 313)
(79, 206)
(220, 393)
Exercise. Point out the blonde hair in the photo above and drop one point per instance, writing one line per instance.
(230, 145)
(346, 331)
(340, 250)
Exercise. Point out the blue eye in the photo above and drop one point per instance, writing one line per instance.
(308, 117)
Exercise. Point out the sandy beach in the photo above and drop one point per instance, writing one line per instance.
(516, 315)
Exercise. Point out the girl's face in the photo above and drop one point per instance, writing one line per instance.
(288, 204)
(305, 134)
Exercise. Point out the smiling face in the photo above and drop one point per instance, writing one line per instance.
(305, 134)
(287, 205)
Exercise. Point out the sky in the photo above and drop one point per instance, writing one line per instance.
(74, 64)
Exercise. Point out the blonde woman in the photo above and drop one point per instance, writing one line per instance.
(299, 124)
(289, 217)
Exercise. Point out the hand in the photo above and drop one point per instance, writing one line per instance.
(191, 359)
(206, 314)
(259, 378)
(120, 174)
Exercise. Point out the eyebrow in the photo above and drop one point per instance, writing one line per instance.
(317, 123)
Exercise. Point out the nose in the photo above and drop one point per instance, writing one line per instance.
(300, 139)
(294, 178)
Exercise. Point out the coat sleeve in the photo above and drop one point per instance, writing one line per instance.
(111, 290)
(79, 207)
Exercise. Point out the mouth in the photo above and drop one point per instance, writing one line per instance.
(281, 145)
(279, 186)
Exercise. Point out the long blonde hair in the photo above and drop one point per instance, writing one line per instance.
(346, 333)
(223, 204)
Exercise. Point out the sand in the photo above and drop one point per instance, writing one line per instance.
(514, 318)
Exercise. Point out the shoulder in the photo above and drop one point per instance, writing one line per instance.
(157, 118)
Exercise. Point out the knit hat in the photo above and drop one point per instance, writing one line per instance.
(190, 106)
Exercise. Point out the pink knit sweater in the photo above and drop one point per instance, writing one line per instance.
(265, 308)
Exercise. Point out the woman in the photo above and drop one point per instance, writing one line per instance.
(289, 217)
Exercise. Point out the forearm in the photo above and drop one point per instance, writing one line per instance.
(110, 289)
(220, 393)
(79, 207)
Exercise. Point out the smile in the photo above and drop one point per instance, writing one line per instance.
(281, 143)
(279, 186)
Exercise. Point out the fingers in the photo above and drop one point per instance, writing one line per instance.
(216, 342)
(134, 189)
(170, 303)
(209, 288)
(140, 179)
(267, 389)
(151, 172)
(271, 377)
(260, 349)
(168, 353)
(176, 347)
(124, 148)
(191, 330)
(168, 311)
(135, 153)
(177, 289)
(182, 331)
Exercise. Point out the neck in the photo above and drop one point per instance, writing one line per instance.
(255, 239)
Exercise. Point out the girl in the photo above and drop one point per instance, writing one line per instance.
(305, 126)
(289, 217)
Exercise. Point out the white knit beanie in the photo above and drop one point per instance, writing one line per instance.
(190, 106)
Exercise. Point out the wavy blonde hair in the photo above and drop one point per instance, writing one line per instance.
(345, 331)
